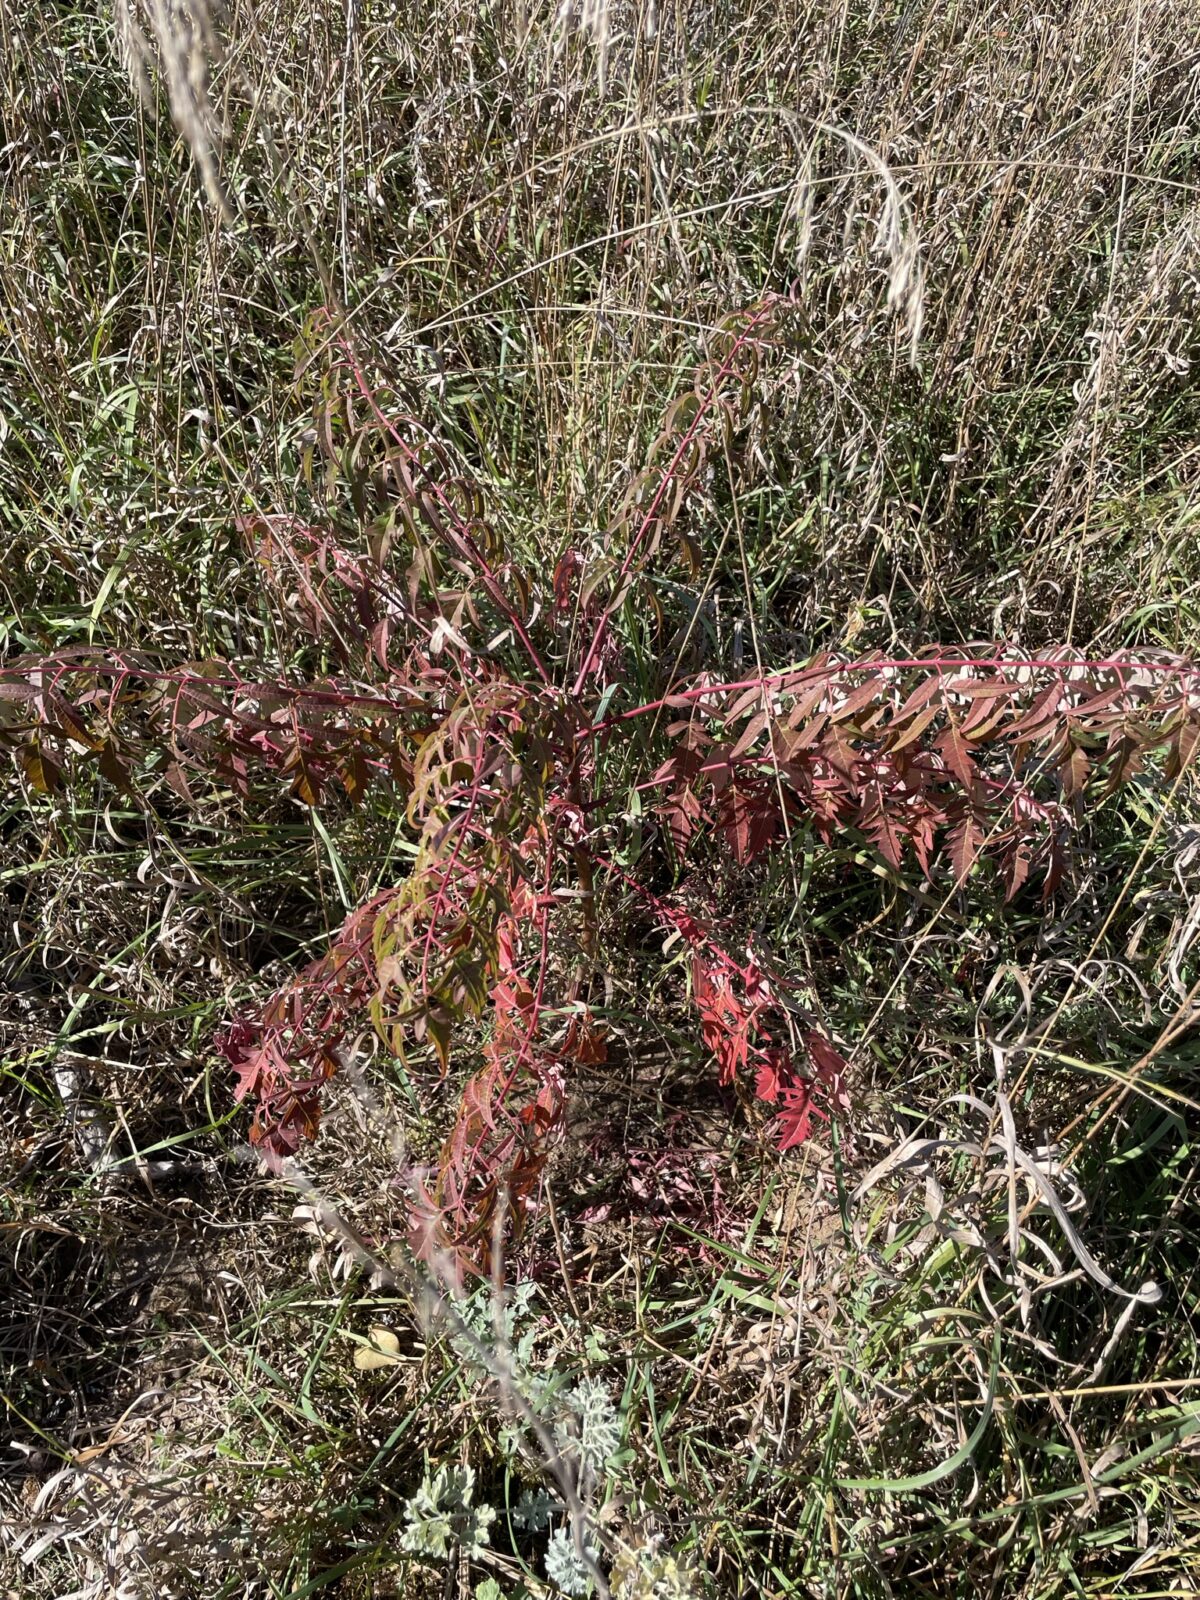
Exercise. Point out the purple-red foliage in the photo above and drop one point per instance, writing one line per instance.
(481, 698)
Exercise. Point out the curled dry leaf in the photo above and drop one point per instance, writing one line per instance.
(382, 1349)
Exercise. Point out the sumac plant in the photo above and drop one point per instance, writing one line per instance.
(492, 702)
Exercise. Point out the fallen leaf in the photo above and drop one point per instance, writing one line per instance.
(381, 1350)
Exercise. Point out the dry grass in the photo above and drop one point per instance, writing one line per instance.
(536, 219)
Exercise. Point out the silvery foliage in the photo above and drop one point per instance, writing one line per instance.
(586, 1427)
(535, 1510)
(441, 1517)
(564, 1567)
(501, 1327)
(594, 1429)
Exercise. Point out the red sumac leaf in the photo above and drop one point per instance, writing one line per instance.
(720, 773)
(920, 696)
(806, 737)
(1040, 716)
(881, 829)
(981, 689)
(914, 729)
(114, 769)
(585, 1043)
(807, 704)
(955, 752)
(749, 734)
(17, 693)
(354, 775)
(795, 1118)
(868, 693)
(62, 718)
(173, 775)
(1074, 773)
(690, 735)
(1056, 863)
(987, 713)
(747, 700)
(829, 1064)
(1183, 746)
(682, 812)
(966, 840)
(1015, 869)
(1127, 743)
(380, 634)
(840, 754)
(1098, 702)
(773, 1072)
(305, 784)
(748, 821)
(923, 835)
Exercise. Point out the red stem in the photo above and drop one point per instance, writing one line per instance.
(443, 889)
(647, 521)
(461, 532)
(121, 669)
(1178, 669)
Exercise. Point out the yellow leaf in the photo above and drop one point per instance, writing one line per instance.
(381, 1350)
